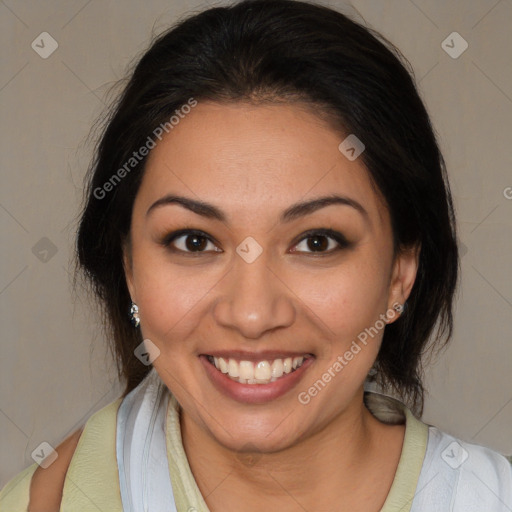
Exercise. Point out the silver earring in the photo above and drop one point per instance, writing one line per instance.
(134, 314)
(400, 308)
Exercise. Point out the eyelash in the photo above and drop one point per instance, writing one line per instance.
(342, 242)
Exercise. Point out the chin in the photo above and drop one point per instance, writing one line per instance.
(264, 432)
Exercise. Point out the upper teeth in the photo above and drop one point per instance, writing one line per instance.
(261, 372)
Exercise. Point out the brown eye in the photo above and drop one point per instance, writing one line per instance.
(189, 242)
(195, 242)
(322, 241)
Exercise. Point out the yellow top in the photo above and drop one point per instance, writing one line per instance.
(92, 480)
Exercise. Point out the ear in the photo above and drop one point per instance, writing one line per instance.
(403, 276)
(128, 267)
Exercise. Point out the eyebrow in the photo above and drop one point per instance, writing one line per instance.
(294, 212)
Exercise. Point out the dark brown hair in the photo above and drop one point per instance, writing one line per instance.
(275, 50)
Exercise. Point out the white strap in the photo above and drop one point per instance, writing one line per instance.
(455, 477)
(141, 452)
(462, 477)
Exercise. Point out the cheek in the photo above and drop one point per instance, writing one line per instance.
(349, 298)
(172, 299)
(349, 303)
(176, 301)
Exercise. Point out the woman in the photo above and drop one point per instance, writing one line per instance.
(270, 229)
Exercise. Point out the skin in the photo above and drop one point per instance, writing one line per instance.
(47, 484)
(253, 162)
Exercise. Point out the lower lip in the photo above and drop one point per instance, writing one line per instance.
(254, 393)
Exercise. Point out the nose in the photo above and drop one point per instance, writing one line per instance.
(255, 300)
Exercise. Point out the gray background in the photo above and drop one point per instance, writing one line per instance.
(55, 370)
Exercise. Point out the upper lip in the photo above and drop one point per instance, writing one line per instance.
(243, 355)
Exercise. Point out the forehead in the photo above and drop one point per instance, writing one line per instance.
(250, 159)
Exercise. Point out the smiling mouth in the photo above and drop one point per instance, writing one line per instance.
(257, 372)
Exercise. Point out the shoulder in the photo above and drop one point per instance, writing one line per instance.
(469, 476)
(38, 489)
(87, 457)
(47, 484)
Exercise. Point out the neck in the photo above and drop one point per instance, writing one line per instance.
(336, 462)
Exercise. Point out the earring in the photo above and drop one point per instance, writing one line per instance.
(134, 314)
(400, 308)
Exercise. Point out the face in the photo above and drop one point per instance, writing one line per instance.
(237, 261)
